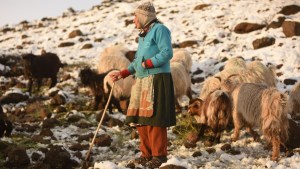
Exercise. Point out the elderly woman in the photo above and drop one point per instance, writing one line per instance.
(151, 109)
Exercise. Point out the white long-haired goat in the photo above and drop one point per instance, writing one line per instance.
(113, 57)
(261, 106)
(253, 72)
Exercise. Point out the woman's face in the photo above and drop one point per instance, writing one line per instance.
(136, 22)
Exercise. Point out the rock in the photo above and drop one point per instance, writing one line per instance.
(75, 33)
(291, 28)
(59, 158)
(263, 42)
(17, 157)
(112, 122)
(198, 71)
(78, 147)
(103, 140)
(226, 147)
(245, 27)
(188, 144)
(197, 80)
(50, 123)
(210, 150)
(66, 44)
(234, 152)
(290, 10)
(87, 46)
(276, 24)
(36, 156)
(289, 81)
(59, 99)
(201, 7)
(86, 137)
(46, 132)
(172, 166)
(13, 98)
(197, 154)
(189, 43)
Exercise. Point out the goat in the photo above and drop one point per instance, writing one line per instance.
(122, 89)
(95, 82)
(181, 80)
(6, 126)
(294, 101)
(263, 106)
(41, 66)
(214, 111)
(113, 57)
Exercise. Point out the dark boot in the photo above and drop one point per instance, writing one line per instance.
(140, 160)
(156, 161)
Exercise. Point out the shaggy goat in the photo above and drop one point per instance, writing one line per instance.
(181, 81)
(214, 111)
(95, 82)
(294, 101)
(122, 88)
(184, 57)
(41, 66)
(113, 57)
(259, 105)
(255, 72)
(6, 126)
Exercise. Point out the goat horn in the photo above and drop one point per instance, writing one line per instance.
(218, 77)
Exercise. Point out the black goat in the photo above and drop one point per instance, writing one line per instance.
(95, 82)
(41, 66)
(6, 126)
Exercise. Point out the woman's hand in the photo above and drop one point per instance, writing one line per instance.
(115, 76)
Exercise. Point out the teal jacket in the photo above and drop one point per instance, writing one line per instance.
(157, 47)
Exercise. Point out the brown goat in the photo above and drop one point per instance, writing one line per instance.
(41, 66)
(214, 111)
(95, 82)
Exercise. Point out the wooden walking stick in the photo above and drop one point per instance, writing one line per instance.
(99, 125)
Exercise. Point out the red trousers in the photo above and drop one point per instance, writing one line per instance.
(153, 141)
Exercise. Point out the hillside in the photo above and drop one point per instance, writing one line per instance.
(211, 31)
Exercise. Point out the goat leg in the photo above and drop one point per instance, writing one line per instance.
(53, 81)
(97, 100)
(30, 83)
(275, 148)
(202, 130)
(39, 83)
(253, 133)
(9, 128)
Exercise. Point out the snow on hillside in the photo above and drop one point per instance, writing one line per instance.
(107, 24)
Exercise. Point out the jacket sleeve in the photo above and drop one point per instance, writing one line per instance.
(163, 40)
